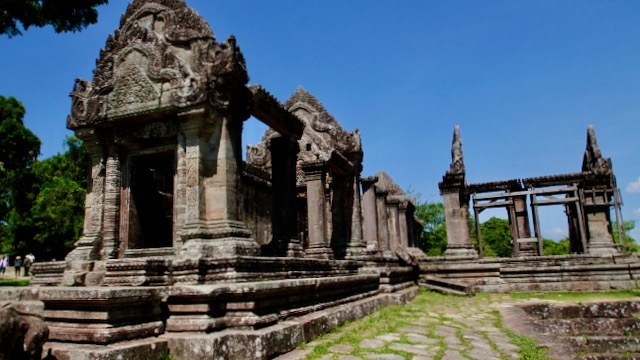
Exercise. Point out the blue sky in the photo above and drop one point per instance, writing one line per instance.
(522, 78)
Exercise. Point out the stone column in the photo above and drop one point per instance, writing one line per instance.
(370, 212)
(405, 233)
(384, 241)
(85, 247)
(81, 259)
(213, 222)
(522, 219)
(283, 216)
(598, 216)
(180, 203)
(356, 243)
(113, 178)
(315, 173)
(456, 209)
(393, 204)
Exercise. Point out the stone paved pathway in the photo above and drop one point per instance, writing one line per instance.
(433, 326)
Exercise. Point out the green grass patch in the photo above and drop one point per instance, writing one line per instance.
(13, 282)
(578, 296)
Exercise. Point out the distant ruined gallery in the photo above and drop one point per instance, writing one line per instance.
(188, 249)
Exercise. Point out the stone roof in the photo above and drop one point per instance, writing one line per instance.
(162, 58)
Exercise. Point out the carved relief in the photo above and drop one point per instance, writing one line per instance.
(322, 129)
(154, 62)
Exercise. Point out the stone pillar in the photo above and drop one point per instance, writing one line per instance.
(213, 223)
(457, 223)
(370, 212)
(384, 241)
(456, 203)
(111, 227)
(405, 232)
(86, 246)
(598, 216)
(315, 173)
(356, 244)
(522, 220)
(81, 259)
(180, 203)
(393, 205)
(283, 216)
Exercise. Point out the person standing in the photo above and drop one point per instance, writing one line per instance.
(17, 264)
(27, 264)
(4, 262)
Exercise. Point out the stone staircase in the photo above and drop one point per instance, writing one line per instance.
(445, 286)
(595, 331)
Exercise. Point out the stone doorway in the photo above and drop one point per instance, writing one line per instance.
(151, 201)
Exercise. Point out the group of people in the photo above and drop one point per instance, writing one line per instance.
(21, 266)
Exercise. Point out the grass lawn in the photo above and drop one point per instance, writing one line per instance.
(11, 281)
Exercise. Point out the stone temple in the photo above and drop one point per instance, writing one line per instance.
(189, 250)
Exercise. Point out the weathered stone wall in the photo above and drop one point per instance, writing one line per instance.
(544, 273)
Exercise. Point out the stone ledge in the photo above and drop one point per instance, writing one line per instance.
(281, 337)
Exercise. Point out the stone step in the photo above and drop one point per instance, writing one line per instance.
(610, 356)
(592, 326)
(447, 283)
(443, 290)
(611, 309)
(605, 344)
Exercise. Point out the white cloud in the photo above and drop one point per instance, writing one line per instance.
(634, 186)
(636, 212)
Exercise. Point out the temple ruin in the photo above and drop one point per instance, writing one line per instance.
(189, 250)
(588, 198)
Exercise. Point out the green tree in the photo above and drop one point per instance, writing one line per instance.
(496, 237)
(433, 240)
(57, 215)
(628, 243)
(63, 15)
(551, 247)
(20, 148)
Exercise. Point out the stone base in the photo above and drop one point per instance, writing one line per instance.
(218, 248)
(325, 253)
(461, 253)
(602, 248)
(280, 338)
(539, 273)
(143, 349)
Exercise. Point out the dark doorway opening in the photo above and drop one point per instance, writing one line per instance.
(151, 208)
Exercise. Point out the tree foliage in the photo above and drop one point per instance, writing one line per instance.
(57, 215)
(496, 237)
(433, 240)
(42, 202)
(628, 243)
(63, 15)
(551, 247)
(20, 148)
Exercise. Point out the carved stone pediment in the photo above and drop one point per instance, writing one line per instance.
(322, 135)
(322, 132)
(153, 63)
